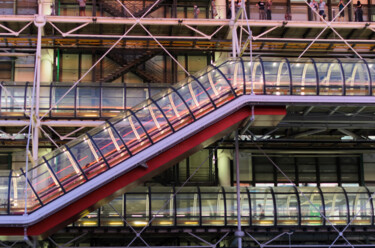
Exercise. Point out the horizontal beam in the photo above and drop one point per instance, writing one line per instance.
(188, 21)
(334, 119)
(311, 100)
(362, 41)
(206, 22)
(57, 123)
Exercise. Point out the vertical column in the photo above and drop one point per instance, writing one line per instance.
(93, 7)
(221, 9)
(350, 11)
(15, 7)
(44, 71)
(224, 157)
(234, 29)
(369, 11)
(239, 233)
(329, 5)
(48, 7)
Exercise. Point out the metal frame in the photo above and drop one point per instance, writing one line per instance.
(98, 149)
(41, 20)
(224, 195)
(54, 175)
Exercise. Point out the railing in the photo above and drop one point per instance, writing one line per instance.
(276, 206)
(87, 100)
(279, 76)
(142, 126)
(299, 11)
(19, 7)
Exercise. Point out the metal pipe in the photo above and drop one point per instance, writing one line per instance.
(234, 33)
(62, 123)
(239, 233)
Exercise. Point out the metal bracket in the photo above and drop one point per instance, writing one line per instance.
(144, 165)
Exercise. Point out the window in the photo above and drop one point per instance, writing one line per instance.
(301, 169)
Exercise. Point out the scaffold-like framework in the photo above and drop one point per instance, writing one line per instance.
(241, 45)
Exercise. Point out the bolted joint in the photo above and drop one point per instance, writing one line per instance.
(39, 21)
(239, 234)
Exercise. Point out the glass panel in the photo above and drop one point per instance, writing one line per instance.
(277, 76)
(213, 211)
(44, 183)
(162, 206)
(88, 101)
(132, 133)
(216, 86)
(175, 110)
(90, 220)
(85, 157)
(256, 77)
(12, 100)
(109, 217)
(357, 79)
(335, 205)
(330, 77)
(328, 169)
(262, 206)
(65, 108)
(65, 169)
(137, 207)
(155, 125)
(303, 77)
(4, 186)
(371, 66)
(187, 203)
(359, 205)
(135, 96)
(311, 206)
(195, 97)
(306, 169)
(110, 145)
(234, 73)
(44, 98)
(287, 206)
(112, 101)
(17, 196)
(231, 201)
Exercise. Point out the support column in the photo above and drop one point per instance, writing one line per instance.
(223, 164)
(351, 12)
(46, 68)
(239, 233)
(234, 30)
(221, 9)
(47, 7)
(39, 23)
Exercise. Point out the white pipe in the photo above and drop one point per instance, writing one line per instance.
(36, 124)
(58, 123)
(64, 123)
(317, 40)
(234, 33)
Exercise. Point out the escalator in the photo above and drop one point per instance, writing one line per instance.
(89, 171)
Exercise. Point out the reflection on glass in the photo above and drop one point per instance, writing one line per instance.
(263, 212)
(149, 122)
(336, 205)
(311, 206)
(217, 206)
(212, 200)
